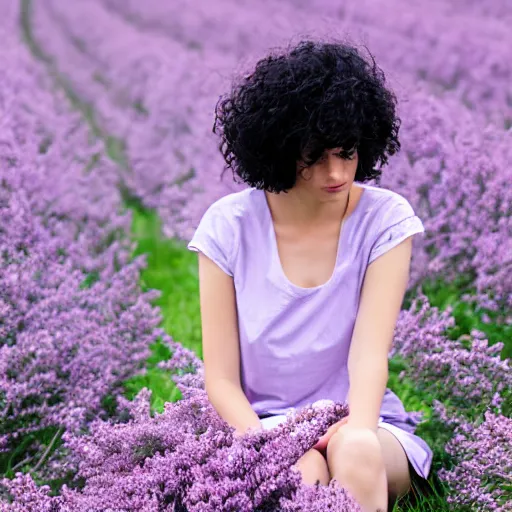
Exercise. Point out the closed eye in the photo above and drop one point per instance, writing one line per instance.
(347, 155)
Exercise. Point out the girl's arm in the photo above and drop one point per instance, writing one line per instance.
(221, 351)
(382, 294)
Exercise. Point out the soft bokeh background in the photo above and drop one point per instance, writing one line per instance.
(108, 161)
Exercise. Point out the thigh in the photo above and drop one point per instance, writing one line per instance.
(396, 463)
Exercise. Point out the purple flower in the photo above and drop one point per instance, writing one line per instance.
(481, 477)
(188, 456)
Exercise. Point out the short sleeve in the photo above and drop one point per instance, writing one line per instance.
(398, 222)
(214, 237)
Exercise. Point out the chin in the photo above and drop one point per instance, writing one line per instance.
(331, 198)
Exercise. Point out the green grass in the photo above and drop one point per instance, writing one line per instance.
(468, 317)
(172, 269)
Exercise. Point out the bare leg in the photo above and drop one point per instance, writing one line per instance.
(355, 466)
(397, 465)
(313, 468)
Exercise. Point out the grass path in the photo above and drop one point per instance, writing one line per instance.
(172, 269)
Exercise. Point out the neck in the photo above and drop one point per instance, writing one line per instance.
(299, 208)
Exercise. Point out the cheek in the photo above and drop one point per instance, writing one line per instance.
(307, 177)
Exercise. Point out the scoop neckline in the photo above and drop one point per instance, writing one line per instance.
(275, 253)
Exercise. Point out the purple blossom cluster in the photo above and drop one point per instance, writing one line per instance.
(466, 373)
(469, 229)
(481, 478)
(188, 458)
(154, 71)
(497, 9)
(73, 321)
(425, 42)
(470, 382)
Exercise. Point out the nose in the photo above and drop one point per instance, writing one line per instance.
(336, 169)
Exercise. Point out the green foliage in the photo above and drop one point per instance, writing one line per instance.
(116, 150)
(406, 390)
(24, 458)
(91, 278)
(425, 497)
(172, 269)
(442, 294)
(162, 387)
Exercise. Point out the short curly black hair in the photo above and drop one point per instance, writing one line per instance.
(299, 103)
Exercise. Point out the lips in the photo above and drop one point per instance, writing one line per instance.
(335, 187)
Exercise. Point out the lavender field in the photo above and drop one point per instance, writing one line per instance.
(108, 162)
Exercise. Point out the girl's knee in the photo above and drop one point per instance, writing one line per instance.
(365, 449)
(357, 460)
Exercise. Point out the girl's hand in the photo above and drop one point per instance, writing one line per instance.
(322, 443)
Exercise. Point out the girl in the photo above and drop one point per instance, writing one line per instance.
(302, 274)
